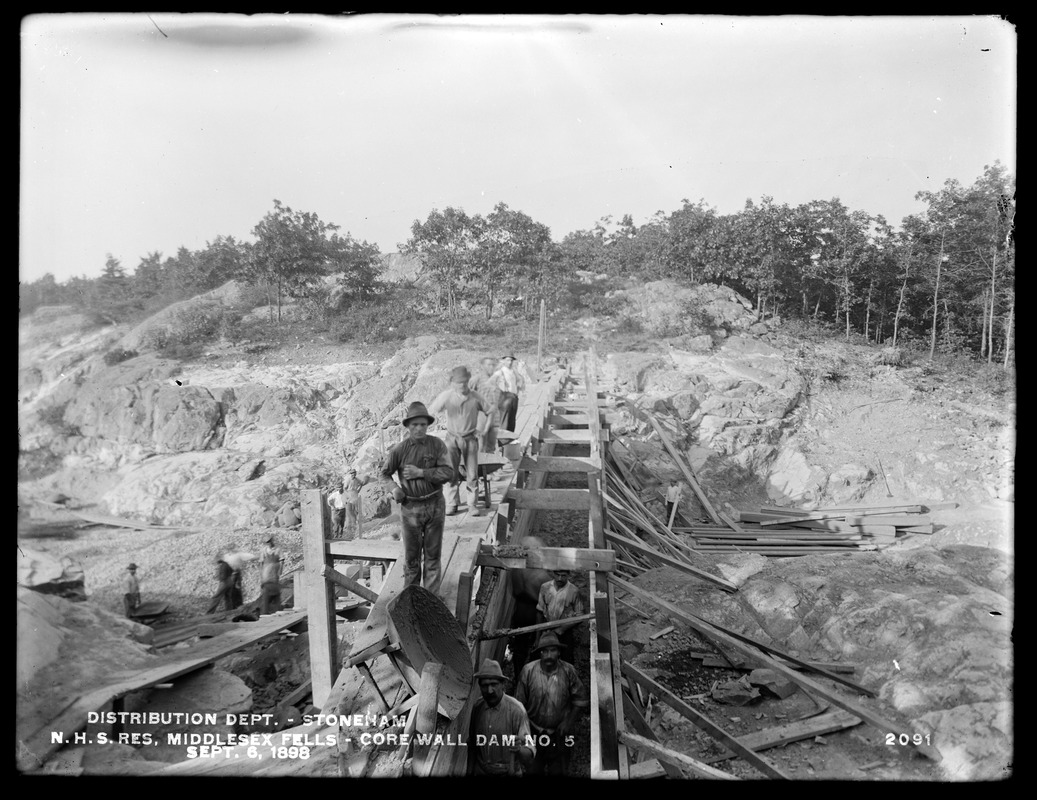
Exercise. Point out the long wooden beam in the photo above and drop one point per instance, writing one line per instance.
(793, 732)
(669, 756)
(688, 476)
(557, 464)
(320, 602)
(365, 549)
(639, 547)
(550, 499)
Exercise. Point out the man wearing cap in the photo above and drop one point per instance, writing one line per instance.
(485, 385)
(560, 598)
(510, 384)
(499, 740)
(421, 464)
(270, 578)
(673, 498)
(554, 697)
(130, 590)
(462, 407)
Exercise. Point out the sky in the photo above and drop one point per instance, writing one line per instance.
(143, 133)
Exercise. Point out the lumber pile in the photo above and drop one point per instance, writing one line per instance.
(777, 531)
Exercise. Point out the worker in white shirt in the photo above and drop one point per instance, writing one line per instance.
(510, 384)
(673, 497)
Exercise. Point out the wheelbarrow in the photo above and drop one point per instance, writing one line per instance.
(428, 633)
(488, 464)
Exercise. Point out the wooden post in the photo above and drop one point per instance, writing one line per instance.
(540, 335)
(320, 601)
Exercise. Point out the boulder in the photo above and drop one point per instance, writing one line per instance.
(209, 692)
(47, 574)
(975, 740)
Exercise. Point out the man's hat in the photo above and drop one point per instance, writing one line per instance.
(132, 566)
(415, 410)
(490, 669)
(460, 374)
(509, 356)
(549, 639)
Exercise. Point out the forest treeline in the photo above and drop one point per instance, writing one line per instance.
(943, 280)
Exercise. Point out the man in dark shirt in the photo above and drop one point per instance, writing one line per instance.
(499, 739)
(421, 464)
(554, 697)
(225, 587)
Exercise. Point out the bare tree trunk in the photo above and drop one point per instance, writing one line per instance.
(806, 309)
(936, 306)
(818, 304)
(846, 302)
(867, 313)
(278, 301)
(269, 304)
(993, 299)
(1008, 332)
(489, 302)
(983, 329)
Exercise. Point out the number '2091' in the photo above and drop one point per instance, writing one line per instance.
(906, 739)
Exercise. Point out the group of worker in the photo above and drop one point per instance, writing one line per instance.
(429, 471)
(229, 567)
(531, 732)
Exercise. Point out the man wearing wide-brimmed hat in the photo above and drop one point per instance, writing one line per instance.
(499, 741)
(462, 407)
(130, 590)
(554, 697)
(421, 465)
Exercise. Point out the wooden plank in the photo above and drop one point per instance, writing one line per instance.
(558, 464)
(461, 562)
(540, 626)
(334, 576)
(668, 756)
(365, 550)
(550, 499)
(633, 713)
(644, 549)
(572, 436)
(806, 517)
(703, 722)
(685, 468)
(897, 520)
(572, 558)
(617, 685)
(663, 632)
(607, 717)
(877, 509)
(793, 732)
(375, 629)
(463, 606)
(320, 602)
(713, 632)
(567, 421)
(652, 768)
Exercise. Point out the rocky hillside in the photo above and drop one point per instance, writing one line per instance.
(222, 442)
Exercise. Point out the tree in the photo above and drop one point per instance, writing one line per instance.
(222, 260)
(511, 252)
(291, 252)
(447, 241)
(358, 263)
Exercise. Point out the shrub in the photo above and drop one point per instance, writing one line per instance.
(118, 354)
